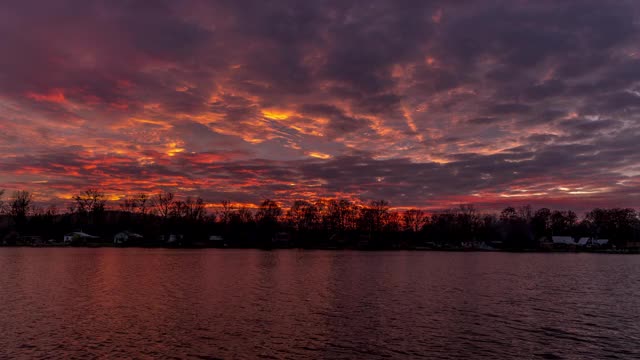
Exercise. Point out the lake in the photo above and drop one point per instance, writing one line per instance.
(296, 304)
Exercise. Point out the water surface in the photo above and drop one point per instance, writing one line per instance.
(294, 304)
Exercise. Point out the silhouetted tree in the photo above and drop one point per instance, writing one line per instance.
(442, 228)
(20, 205)
(129, 205)
(242, 216)
(142, 203)
(163, 204)
(303, 215)
(89, 206)
(191, 209)
(268, 212)
(339, 215)
(454, 226)
(516, 230)
(562, 222)
(489, 228)
(90, 201)
(267, 217)
(393, 223)
(323, 223)
(413, 220)
(541, 223)
(379, 211)
(468, 221)
(51, 210)
(618, 225)
(509, 214)
(226, 211)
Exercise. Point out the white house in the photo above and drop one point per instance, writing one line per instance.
(172, 238)
(217, 241)
(78, 236)
(563, 240)
(126, 236)
(584, 241)
(476, 245)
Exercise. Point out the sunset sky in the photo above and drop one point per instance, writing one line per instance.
(422, 103)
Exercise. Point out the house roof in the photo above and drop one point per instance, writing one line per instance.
(81, 234)
(583, 241)
(563, 240)
(129, 234)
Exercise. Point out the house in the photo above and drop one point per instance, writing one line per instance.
(172, 238)
(217, 241)
(563, 240)
(126, 236)
(476, 245)
(584, 242)
(78, 236)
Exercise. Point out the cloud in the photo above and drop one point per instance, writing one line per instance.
(423, 103)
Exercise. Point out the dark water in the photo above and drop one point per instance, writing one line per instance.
(155, 303)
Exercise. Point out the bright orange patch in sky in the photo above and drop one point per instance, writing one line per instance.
(54, 96)
(276, 114)
(319, 155)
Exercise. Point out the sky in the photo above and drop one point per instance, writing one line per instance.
(425, 104)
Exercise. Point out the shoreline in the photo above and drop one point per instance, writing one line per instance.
(528, 251)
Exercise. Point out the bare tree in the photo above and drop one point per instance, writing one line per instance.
(339, 215)
(226, 212)
(51, 210)
(393, 222)
(242, 216)
(190, 209)
(20, 206)
(302, 215)
(138, 204)
(376, 215)
(90, 201)
(142, 202)
(163, 204)
(129, 205)
(268, 212)
(468, 217)
(414, 220)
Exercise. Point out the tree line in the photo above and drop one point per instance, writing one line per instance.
(324, 223)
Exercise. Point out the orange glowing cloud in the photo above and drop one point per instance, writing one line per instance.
(276, 114)
(318, 155)
(53, 96)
